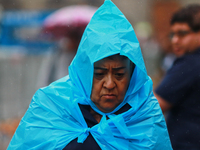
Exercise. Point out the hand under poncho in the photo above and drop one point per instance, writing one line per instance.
(54, 118)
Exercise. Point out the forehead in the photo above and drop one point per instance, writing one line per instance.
(180, 27)
(118, 60)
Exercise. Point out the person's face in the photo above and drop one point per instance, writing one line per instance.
(183, 39)
(110, 82)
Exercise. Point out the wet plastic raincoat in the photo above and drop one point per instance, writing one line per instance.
(54, 118)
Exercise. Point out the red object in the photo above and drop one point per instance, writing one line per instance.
(68, 21)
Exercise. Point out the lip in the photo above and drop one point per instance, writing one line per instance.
(177, 49)
(109, 96)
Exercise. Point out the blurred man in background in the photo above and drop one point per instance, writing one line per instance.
(179, 92)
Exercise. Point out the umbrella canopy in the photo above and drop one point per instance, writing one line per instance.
(68, 21)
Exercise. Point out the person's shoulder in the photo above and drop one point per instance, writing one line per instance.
(187, 63)
(193, 58)
(189, 59)
(194, 54)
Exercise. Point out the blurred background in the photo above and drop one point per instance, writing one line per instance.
(25, 42)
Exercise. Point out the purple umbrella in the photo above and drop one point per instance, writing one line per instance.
(68, 20)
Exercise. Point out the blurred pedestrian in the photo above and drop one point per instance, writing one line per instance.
(55, 64)
(106, 102)
(179, 91)
(65, 26)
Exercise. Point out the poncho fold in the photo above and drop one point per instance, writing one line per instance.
(54, 118)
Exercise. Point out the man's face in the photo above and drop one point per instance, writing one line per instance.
(110, 82)
(183, 39)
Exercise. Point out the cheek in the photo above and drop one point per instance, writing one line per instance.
(123, 86)
(188, 41)
(96, 89)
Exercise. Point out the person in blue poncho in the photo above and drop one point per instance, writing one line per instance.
(106, 102)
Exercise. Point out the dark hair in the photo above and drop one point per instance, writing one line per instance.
(189, 15)
(75, 32)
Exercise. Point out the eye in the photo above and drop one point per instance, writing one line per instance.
(119, 75)
(180, 34)
(98, 75)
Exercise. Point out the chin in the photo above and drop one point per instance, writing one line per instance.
(107, 109)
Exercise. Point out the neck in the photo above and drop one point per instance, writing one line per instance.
(96, 116)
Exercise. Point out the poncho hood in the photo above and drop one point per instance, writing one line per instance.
(54, 117)
(108, 33)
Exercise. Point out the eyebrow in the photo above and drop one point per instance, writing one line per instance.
(115, 69)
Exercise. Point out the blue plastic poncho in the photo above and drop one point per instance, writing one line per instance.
(54, 118)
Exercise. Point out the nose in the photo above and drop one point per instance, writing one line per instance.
(174, 39)
(109, 83)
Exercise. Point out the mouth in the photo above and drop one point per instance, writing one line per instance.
(109, 96)
(176, 49)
